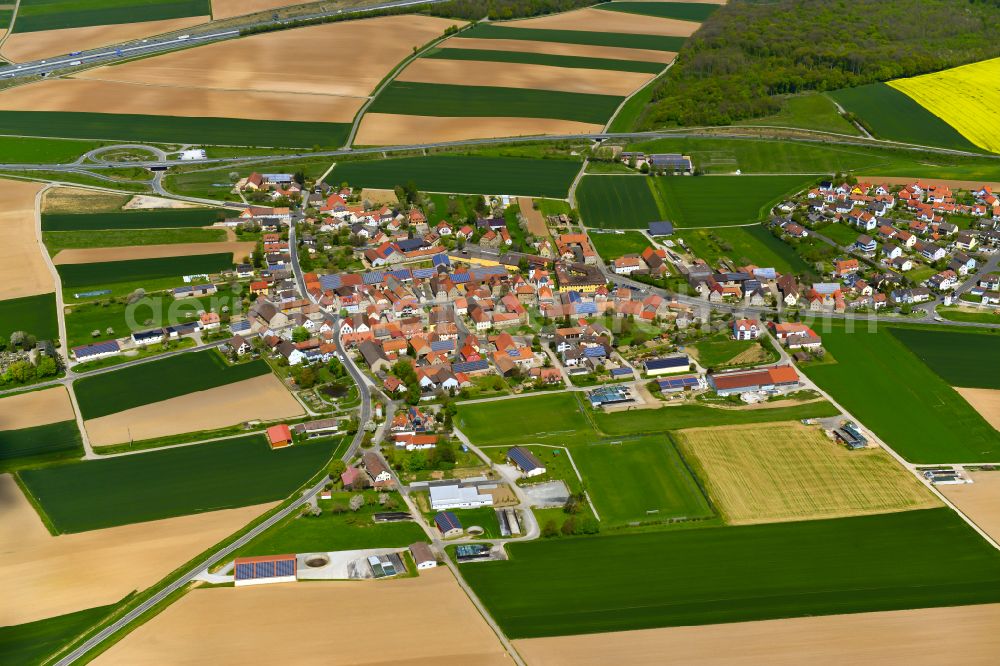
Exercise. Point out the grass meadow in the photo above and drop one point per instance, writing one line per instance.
(135, 219)
(966, 359)
(878, 379)
(173, 129)
(161, 484)
(891, 114)
(653, 42)
(464, 174)
(33, 314)
(17, 149)
(546, 59)
(34, 642)
(744, 245)
(813, 111)
(894, 561)
(722, 201)
(139, 270)
(40, 443)
(36, 15)
(160, 380)
(611, 246)
(617, 202)
(439, 99)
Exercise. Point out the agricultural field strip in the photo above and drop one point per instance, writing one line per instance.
(42, 15)
(448, 53)
(131, 270)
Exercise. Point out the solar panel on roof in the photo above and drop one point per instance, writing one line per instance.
(424, 272)
(244, 571)
(586, 308)
(264, 570)
(286, 568)
(401, 274)
(329, 281)
(459, 278)
(373, 277)
(441, 260)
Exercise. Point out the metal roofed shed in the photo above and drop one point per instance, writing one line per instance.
(448, 524)
(667, 366)
(264, 569)
(661, 229)
(677, 384)
(423, 556)
(454, 496)
(610, 395)
(526, 461)
(472, 552)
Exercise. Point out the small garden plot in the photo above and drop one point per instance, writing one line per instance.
(720, 201)
(640, 481)
(788, 471)
(617, 202)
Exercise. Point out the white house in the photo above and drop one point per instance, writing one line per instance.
(746, 329)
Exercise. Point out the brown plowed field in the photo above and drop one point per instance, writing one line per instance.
(263, 398)
(24, 46)
(597, 20)
(223, 9)
(168, 100)
(36, 408)
(423, 621)
(536, 221)
(43, 576)
(967, 635)
(979, 500)
(22, 265)
(388, 129)
(95, 255)
(520, 75)
(345, 59)
(557, 48)
(984, 401)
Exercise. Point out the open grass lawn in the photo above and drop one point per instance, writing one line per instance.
(983, 317)
(340, 529)
(170, 218)
(723, 200)
(879, 380)
(617, 202)
(464, 174)
(546, 59)
(61, 240)
(720, 350)
(628, 116)
(788, 471)
(639, 480)
(446, 206)
(166, 378)
(840, 233)
(966, 359)
(523, 420)
(891, 114)
(654, 42)
(42, 151)
(138, 270)
(611, 246)
(902, 560)
(35, 15)
(744, 245)
(160, 484)
(439, 99)
(173, 129)
(685, 11)
(157, 310)
(34, 642)
(33, 314)
(484, 517)
(44, 442)
(642, 421)
(812, 111)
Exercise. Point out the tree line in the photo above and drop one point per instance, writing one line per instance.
(748, 54)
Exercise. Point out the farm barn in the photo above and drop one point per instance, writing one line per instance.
(265, 569)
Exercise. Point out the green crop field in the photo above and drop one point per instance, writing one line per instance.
(35, 15)
(166, 378)
(464, 174)
(639, 480)
(966, 359)
(642, 421)
(685, 11)
(653, 42)
(34, 642)
(138, 270)
(617, 202)
(903, 560)
(160, 484)
(42, 151)
(33, 314)
(891, 114)
(524, 419)
(547, 59)
(720, 201)
(744, 245)
(173, 129)
(439, 99)
(611, 246)
(63, 240)
(136, 219)
(879, 380)
(55, 440)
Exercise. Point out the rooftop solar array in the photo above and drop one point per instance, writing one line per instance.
(670, 362)
(424, 273)
(471, 366)
(374, 277)
(679, 382)
(523, 458)
(266, 569)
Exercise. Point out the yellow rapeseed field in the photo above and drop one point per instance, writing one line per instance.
(966, 97)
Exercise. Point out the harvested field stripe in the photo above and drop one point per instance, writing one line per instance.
(35, 408)
(117, 254)
(596, 20)
(546, 59)
(435, 99)
(686, 11)
(23, 271)
(654, 42)
(388, 129)
(560, 49)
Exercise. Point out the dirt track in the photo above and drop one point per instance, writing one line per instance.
(557, 48)
(36, 408)
(520, 75)
(290, 61)
(176, 100)
(22, 265)
(966, 635)
(44, 576)
(420, 621)
(979, 500)
(984, 401)
(98, 254)
(598, 20)
(23, 46)
(384, 129)
(263, 398)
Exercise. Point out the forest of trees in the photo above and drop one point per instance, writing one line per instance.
(750, 52)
